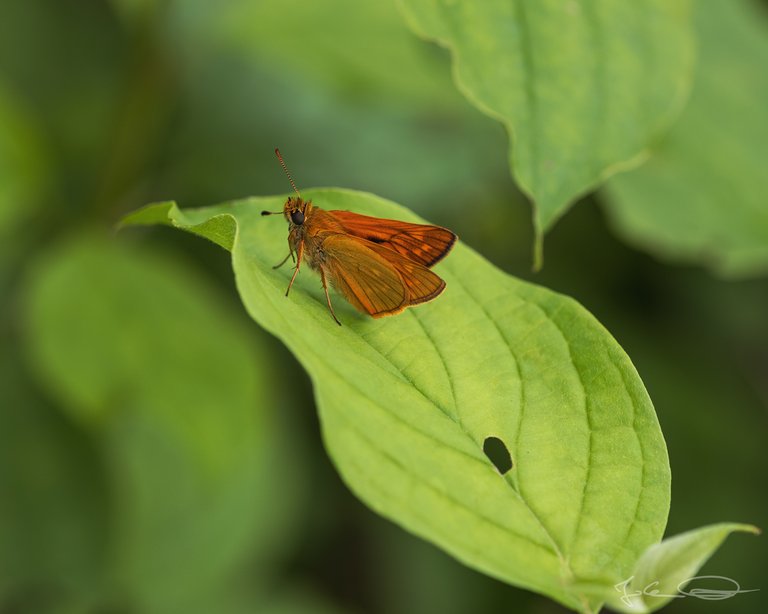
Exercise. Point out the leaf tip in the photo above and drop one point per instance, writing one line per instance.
(148, 215)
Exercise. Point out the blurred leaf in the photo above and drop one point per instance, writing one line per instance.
(72, 99)
(21, 164)
(666, 567)
(142, 354)
(582, 87)
(137, 11)
(332, 103)
(52, 498)
(256, 593)
(22, 175)
(702, 195)
(346, 45)
(298, 600)
(408, 402)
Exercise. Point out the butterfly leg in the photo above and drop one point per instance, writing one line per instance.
(327, 297)
(284, 260)
(299, 254)
(290, 255)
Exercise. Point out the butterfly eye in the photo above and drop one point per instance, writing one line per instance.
(297, 217)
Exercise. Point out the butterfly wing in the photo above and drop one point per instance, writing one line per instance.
(375, 279)
(422, 243)
(366, 279)
(422, 284)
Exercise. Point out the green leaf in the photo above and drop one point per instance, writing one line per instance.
(583, 88)
(23, 175)
(52, 522)
(407, 133)
(665, 568)
(145, 357)
(407, 402)
(702, 195)
(348, 45)
(136, 11)
(21, 163)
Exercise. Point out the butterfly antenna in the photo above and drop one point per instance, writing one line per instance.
(285, 168)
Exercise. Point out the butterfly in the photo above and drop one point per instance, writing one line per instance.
(381, 266)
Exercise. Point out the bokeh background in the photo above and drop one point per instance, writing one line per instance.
(160, 453)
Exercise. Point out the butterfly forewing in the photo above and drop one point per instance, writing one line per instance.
(422, 243)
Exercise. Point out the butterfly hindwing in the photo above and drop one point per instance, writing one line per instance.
(366, 279)
(375, 279)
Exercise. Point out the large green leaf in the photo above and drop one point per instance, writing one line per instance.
(408, 402)
(408, 405)
(702, 195)
(582, 87)
(143, 355)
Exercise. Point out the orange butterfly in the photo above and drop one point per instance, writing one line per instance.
(381, 266)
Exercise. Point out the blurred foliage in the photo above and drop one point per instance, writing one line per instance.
(708, 203)
(582, 88)
(321, 93)
(22, 177)
(177, 397)
(107, 105)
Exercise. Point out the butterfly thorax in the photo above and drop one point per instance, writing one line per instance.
(309, 225)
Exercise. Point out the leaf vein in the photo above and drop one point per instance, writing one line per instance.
(452, 500)
(518, 491)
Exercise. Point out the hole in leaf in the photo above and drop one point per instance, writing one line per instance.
(498, 454)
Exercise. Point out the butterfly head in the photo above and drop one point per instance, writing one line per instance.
(295, 210)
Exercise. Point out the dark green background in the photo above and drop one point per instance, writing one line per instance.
(105, 106)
